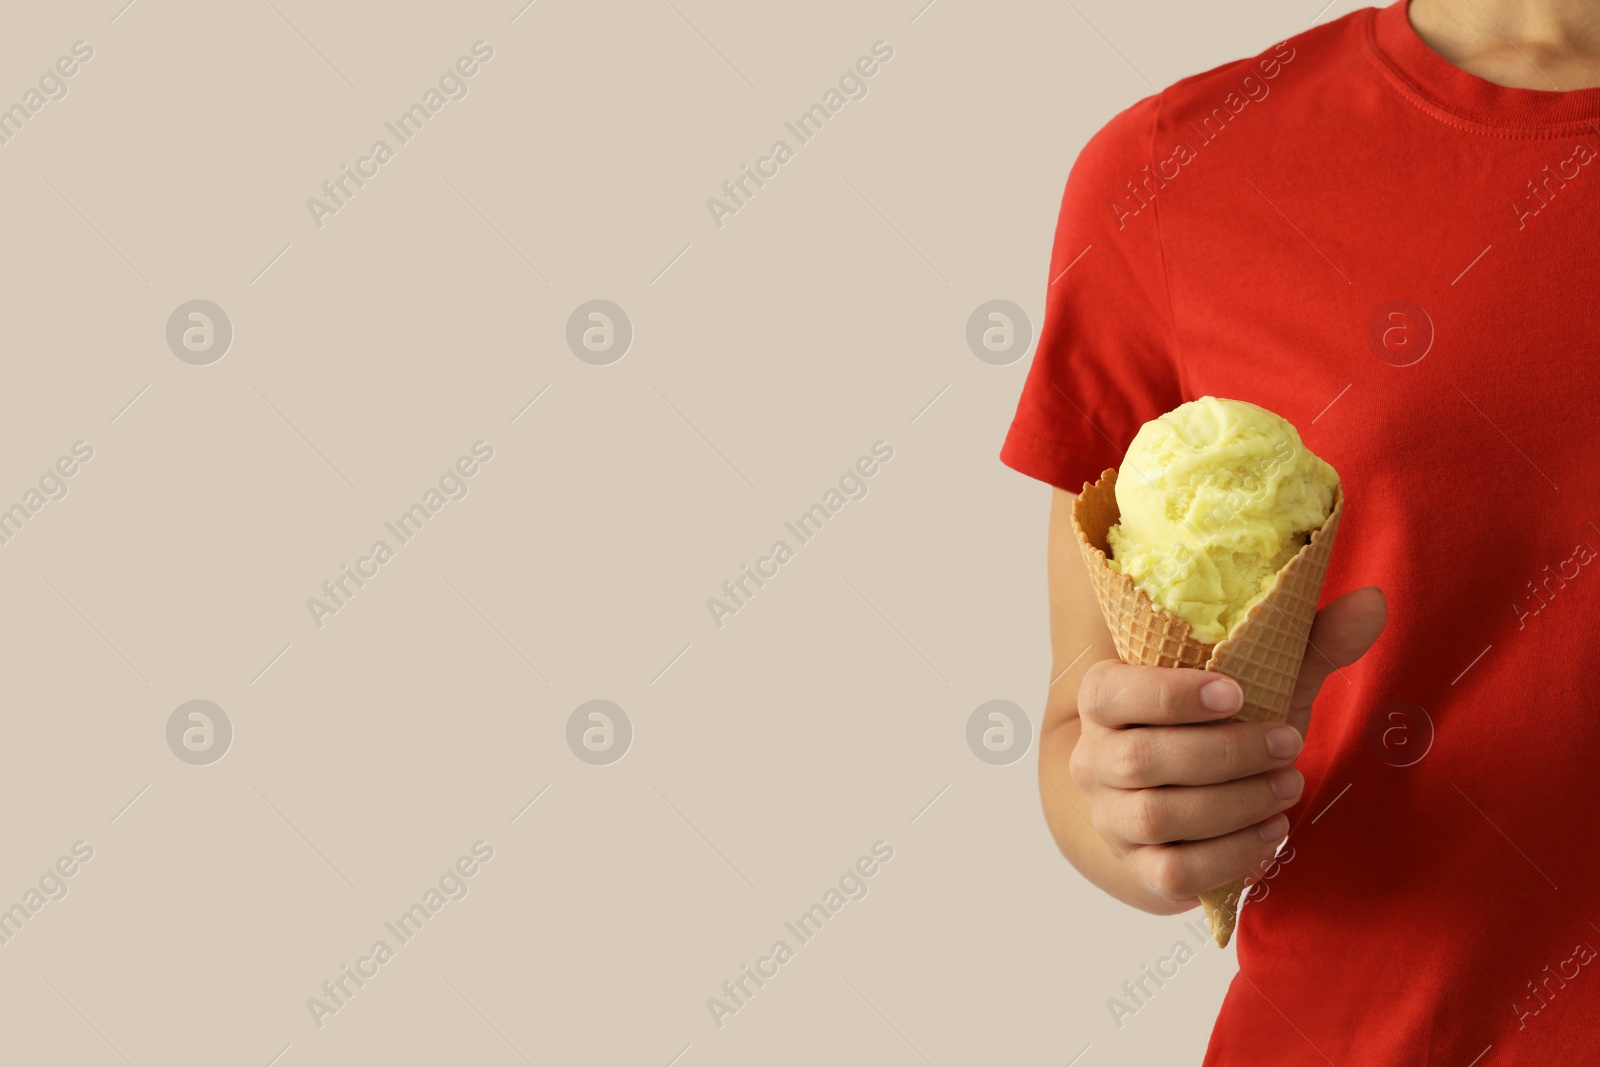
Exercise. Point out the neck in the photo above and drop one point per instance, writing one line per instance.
(1528, 44)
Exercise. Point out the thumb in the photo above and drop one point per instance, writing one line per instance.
(1341, 634)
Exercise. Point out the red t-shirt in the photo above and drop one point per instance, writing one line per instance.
(1399, 258)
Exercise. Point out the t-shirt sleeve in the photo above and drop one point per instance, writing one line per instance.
(1106, 362)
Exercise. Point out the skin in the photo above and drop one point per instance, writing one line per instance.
(1150, 808)
(1145, 792)
(1523, 44)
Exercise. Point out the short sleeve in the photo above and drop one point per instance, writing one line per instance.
(1106, 360)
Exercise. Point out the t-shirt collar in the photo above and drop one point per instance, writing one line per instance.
(1438, 85)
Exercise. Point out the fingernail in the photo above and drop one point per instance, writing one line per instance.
(1275, 828)
(1283, 741)
(1222, 695)
(1287, 783)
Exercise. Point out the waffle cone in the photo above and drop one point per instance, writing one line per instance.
(1262, 652)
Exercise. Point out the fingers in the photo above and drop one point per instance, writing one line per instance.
(1198, 813)
(1184, 871)
(1176, 755)
(1118, 694)
(1341, 634)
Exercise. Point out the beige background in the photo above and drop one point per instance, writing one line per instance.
(368, 355)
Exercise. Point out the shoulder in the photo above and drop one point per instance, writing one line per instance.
(1311, 60)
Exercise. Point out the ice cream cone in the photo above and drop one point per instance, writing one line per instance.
(1262, 653)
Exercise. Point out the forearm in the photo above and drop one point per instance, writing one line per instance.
(1079, 638)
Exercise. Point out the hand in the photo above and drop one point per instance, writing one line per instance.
(1192, 808)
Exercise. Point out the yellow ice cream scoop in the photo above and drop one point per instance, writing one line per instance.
(1215, 497)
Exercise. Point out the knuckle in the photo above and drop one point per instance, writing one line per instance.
(1080, 767)
(1149, 819)
(1230, 751)
(1132, 759)
(1248, 802)
(1092, 688)
(1169, 697)
(1168, 873)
